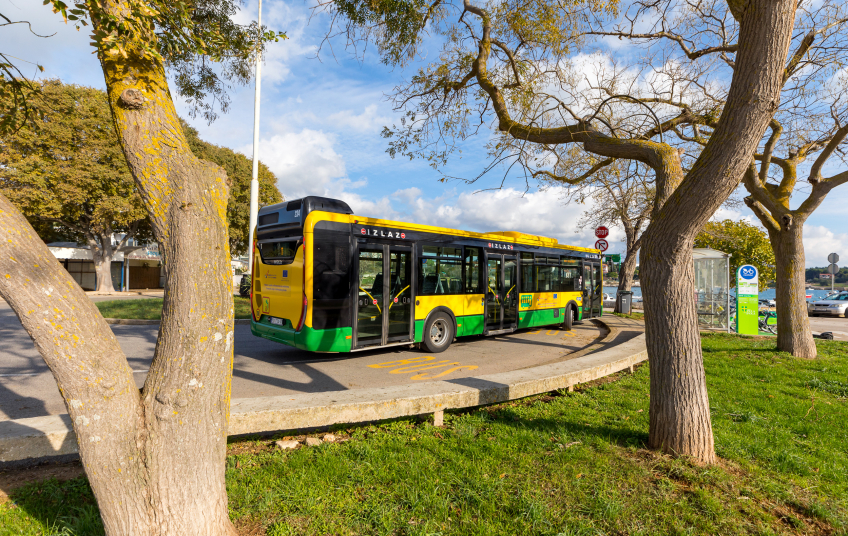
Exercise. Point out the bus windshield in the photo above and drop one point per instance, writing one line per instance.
(279, 252)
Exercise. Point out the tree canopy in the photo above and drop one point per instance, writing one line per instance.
(68, 174)
(746, 244)
(68, 169)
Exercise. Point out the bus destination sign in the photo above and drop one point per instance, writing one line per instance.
(382, 233)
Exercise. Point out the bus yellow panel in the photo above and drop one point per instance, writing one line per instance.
(282, 288)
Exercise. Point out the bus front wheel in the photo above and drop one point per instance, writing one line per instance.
(438, 333)
(569, 319)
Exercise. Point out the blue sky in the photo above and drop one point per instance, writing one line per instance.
(320, 134)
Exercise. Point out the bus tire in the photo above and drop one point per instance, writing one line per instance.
(568, 321)
(438, 333)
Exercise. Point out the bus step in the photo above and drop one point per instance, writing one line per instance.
(499, 331)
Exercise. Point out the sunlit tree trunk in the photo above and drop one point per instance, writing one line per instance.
(155, 458)
(793, 324)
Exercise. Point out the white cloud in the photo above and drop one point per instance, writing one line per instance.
(819, 241)
(368, 121)
(304, 162)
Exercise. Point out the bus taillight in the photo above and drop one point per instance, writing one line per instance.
(305, 301)
(252, 278)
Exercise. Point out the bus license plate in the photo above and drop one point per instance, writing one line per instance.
(277, 321)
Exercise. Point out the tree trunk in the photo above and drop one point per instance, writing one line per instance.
(102, 257)
(679, 409)
(680, 412)
(155, 459)
(793, 324)
(186, 396)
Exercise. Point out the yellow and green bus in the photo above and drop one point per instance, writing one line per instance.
(327, 280)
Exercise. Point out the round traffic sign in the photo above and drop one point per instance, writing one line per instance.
(601, 244)
(601, 232)
(833, 258)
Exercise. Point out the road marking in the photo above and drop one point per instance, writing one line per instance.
(417, 366)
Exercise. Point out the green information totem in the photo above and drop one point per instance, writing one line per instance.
(747, 300)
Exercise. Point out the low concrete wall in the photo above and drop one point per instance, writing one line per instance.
(53, 435)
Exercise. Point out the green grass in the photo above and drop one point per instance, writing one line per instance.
(633, 315)
(555, 464)
(151, 308)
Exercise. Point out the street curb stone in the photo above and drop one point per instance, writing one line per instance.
(139, 322)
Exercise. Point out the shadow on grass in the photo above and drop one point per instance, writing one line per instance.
(63, 508)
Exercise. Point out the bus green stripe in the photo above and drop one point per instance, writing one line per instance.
(466, 325)
(314, 340)
(542, 317)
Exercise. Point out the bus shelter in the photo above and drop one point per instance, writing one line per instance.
(712, 288)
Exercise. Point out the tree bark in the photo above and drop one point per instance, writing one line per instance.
(102, 255)
(793, 324)
(155, 459)
(679, 409)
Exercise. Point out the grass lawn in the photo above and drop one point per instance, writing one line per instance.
(555, 464)
(633, 315)
(151, 308)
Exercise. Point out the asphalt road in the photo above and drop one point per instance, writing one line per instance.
(265, 368)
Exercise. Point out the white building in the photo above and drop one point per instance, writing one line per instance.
(134, 266)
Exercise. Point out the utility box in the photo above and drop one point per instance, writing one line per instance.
(623, 301)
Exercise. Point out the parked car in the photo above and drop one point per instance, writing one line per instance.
(834, 306)
(767, 303)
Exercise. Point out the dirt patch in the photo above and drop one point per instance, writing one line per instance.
(15, 478)
(249, 527)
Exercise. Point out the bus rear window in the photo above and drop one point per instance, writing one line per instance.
(278, 252)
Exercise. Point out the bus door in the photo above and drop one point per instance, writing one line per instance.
(501, 293)
(384, 304)
(593, 291)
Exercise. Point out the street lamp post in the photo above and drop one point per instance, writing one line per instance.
(254, 181)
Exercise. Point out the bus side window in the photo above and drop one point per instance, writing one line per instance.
(570, 275)
(471, 280)
(441, 271)
(528, 281)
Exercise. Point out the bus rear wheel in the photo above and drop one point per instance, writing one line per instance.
(438, 333)
(568, 321)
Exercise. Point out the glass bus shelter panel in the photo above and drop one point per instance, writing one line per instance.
(400, 295)
(494, 292)
(510, 301)
(369, 326)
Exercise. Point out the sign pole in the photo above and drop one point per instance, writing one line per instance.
(254, 181)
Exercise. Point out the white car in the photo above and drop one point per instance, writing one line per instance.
(834, 306)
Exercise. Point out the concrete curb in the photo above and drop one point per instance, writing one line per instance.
(53, 435)
(139, 322)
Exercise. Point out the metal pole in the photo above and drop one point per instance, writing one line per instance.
(254, 181)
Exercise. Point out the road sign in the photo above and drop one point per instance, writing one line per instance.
(833, 258)
(747, 292)
(832, 269)
(602, 232)
(601, 244)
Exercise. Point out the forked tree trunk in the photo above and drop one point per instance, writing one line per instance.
(155, 459)
(793, 324)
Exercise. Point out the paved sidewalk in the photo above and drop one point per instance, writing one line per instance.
(621, 348)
